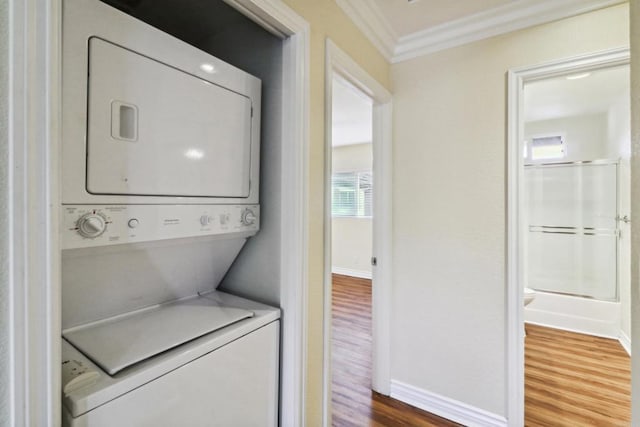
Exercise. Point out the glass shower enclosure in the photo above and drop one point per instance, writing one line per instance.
(572, 228)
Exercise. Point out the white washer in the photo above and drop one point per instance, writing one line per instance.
(227, 377)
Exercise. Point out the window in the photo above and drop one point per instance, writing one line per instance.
(352, 194)
(547, 148)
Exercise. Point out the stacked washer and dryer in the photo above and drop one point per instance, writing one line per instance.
(160, 174)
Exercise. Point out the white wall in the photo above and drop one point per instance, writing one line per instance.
(351, 238)
(619, 135)
(591, 136)
(352, 158)
(351, 246)
(635, 206)
(619, 128)
(625, 250)
(5, 349)
(585, 136)
(448, 326)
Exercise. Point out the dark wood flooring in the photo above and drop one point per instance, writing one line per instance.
(353, 402)
(571, 380)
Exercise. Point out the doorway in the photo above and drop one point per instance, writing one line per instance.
(365, 190)
(569, 251)
(352, 184)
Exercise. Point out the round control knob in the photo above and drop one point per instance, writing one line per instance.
(133, 223)
(91, 225)
(248, 217)
(205, 220)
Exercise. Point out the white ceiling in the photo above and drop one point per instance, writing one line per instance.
(406, 18)
(560, 97)
(401, 30)
(352, 115)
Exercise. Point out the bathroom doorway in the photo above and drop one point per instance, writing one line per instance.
(573, 246)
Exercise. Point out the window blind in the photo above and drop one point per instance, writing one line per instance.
(352, 194)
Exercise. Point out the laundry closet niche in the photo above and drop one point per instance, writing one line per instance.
(218, 29)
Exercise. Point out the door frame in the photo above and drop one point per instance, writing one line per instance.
(517, 77)
(338, 62)
(31, 223)
(33, 177)
(282, 21)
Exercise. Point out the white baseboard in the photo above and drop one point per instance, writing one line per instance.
(445, 407)
(625, 342)
(353, 273)
(585, 327)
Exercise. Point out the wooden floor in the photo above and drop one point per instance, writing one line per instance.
(575, 380)
(352, 401)
(571, 379)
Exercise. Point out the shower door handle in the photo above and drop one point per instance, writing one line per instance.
(624, 219)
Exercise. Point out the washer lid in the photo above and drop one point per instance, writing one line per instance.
(117, 343)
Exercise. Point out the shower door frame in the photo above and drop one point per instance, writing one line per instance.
(517, 77)
(616, 230)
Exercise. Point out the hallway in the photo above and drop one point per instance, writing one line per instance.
(353, 402)
(570, 379)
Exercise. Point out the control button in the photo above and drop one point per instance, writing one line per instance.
(91, 225)
(224, 219)
(248, 217)
(133, 223)
(205, 220)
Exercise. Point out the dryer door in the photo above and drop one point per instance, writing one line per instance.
(159, 131)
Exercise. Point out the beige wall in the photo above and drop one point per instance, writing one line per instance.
(351, 246)
(448, 313)
(351, 238)
(352, 158)
(635, 206)
(326, 20)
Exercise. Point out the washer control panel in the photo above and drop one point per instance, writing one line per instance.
(99, 225)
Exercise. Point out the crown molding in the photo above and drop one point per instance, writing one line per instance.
(370, 20)
(493, 22)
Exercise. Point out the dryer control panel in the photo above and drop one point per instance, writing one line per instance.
(100, 225)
